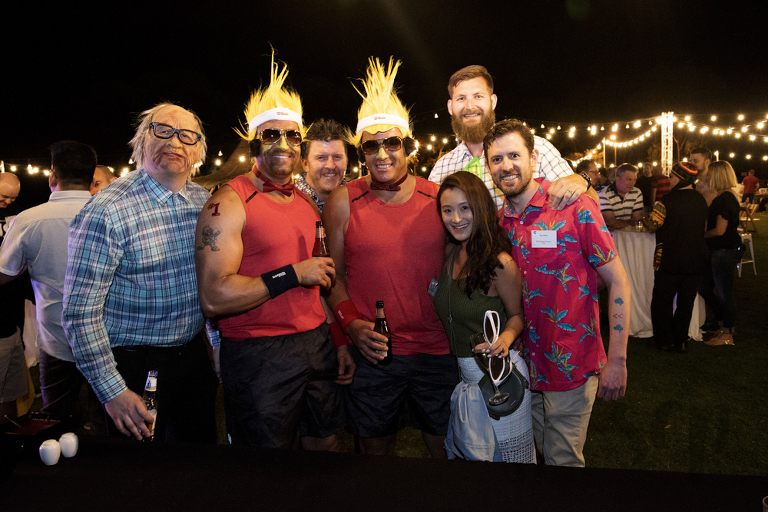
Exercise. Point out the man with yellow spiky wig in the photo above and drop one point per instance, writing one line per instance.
(388, 244)
(257, 277)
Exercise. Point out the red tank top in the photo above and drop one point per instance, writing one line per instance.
(392, 253)
(275, 235)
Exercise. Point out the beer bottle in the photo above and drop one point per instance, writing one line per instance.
(382, 327)
(150, 402)
(320, 250)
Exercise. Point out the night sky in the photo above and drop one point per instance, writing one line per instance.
(83, 73)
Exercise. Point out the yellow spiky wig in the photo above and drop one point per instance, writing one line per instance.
(380, 100)
(272, 102)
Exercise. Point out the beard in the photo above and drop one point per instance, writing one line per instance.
(512, 191)
(474, 133)
(278, 168)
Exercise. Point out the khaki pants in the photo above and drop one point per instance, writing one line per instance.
(560, 421)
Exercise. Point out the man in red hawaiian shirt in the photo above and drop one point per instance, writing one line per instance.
(560, 255)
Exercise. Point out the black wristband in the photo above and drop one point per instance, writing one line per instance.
(280, 280)
(586, 177)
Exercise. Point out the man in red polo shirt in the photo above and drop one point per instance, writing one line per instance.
(560, 255)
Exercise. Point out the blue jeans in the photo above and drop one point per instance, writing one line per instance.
(718, 277)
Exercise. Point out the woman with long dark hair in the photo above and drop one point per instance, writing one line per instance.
(479, 275)
(724, 244)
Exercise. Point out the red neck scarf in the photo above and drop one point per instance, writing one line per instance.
(270, 185)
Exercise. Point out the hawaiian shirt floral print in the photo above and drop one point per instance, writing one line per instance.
(561, 341)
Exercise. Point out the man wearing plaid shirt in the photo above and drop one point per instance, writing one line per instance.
(130, 292)
(471, 106)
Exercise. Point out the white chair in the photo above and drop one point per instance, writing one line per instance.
(746, 239)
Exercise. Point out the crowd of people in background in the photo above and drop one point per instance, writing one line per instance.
(151, 272)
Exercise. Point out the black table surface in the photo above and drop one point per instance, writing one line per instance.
(115, 475)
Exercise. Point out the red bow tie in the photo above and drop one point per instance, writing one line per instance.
(392, 187)
(270, 185)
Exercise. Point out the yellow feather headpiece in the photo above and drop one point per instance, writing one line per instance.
(381, 110)
(271, 103)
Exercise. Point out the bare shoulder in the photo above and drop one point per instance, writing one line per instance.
(336, 207)
(223, 210)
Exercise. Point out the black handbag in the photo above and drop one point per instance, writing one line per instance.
(515, 385)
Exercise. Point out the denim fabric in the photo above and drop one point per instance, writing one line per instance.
(719, 277)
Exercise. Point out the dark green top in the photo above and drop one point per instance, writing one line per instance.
(467, 313)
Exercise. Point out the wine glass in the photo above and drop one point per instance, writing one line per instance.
(481, 357)
(492, 325)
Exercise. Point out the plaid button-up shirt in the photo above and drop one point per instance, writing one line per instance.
(551, 166)
(131, 275)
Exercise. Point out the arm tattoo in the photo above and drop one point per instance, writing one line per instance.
(209, 238)
(215, 208)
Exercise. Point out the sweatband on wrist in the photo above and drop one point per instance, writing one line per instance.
(280, 280)
(339, 340)
(345, 313)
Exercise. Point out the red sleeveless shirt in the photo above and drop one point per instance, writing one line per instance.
(392, 253)
(275, 235)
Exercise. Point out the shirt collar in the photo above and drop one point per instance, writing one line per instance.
(465, 153)
(63, 195)
(158, 191)
(538, 201)
(301, 184)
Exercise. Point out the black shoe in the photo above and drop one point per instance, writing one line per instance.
(682, 348)
(710, 326)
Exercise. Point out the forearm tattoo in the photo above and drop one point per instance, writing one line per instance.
(617, 316)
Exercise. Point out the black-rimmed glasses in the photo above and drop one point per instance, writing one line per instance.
(371, 147)
(272, 135)
(164, 131)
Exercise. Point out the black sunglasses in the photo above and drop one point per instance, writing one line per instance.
(272, 135)
(371, 147)
(164, 131)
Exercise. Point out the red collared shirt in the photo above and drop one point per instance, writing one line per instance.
(561, 342)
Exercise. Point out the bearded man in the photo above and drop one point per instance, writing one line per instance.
(561, 254)
(258, 279)
(472, 107)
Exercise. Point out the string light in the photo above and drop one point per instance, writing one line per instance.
(745, 130)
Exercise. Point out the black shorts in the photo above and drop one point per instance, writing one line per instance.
(410, 391)
(274, 385)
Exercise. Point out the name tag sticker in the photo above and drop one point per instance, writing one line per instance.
(541, 239)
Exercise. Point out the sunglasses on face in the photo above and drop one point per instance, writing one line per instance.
(371, 147)
(272, 135)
